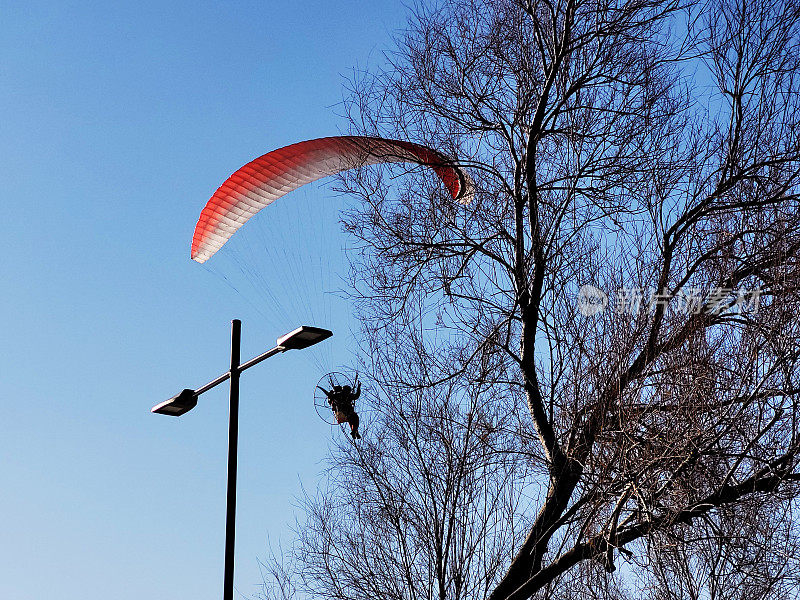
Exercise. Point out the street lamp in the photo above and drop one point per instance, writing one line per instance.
(177, 405)
(300, 338)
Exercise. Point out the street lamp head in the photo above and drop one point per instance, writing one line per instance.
(177, 405)
(303, 337)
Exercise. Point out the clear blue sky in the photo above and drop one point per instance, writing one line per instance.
(117, 122)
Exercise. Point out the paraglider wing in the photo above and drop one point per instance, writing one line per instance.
(267, 178)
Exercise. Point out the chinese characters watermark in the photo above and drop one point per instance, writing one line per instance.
(691, 300)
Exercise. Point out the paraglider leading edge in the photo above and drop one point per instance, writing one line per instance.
(273, 175)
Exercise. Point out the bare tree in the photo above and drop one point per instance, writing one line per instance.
(584, 383)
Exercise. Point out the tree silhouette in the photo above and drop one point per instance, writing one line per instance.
(646, 154)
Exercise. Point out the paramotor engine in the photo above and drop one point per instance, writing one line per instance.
(330, 381)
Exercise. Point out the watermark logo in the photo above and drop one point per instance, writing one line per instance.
(591, 300)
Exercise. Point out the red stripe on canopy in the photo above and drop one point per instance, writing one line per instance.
(265, 179)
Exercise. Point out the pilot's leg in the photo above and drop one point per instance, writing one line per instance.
(353, 420)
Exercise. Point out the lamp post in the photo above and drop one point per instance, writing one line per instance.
(300, 338)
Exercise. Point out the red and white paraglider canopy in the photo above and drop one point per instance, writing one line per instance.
(268, 177)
